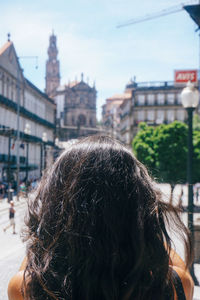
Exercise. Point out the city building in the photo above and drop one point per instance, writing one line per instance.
(151, 102)
(156, 103)
(126, 121)
(111, 112)
(27, 121)
(76, 101)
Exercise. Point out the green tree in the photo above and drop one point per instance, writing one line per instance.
(143, 146)
(163, 150)
(171, 153)
(196, 122)
(196, 156)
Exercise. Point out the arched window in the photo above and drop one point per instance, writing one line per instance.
(81, 120)
(81, 100)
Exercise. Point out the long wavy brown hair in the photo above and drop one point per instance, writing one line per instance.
(97, 228)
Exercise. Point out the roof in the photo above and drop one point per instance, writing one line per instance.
(5, 46)
(39, 91)
(2, 50)
(72, 83)
(124, 102)
(119, 97)
(9, 60)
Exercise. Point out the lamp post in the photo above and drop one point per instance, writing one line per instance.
(190, 100)
(57, 148)
(8, 169)
(44, 139)
(27, 131)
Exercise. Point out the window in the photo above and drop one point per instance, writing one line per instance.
(1, 86)
(178, 96)
(141, 99)
(180, 115)
(170, 99)
(7, 88)
(12, 91)
(140, 116)
(170, 115)
(150, 99)
(161, 99)
(81, 100)
(81, 120)
(150, 115)
(160, 116)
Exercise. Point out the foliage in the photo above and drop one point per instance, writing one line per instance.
(171, 152)
(164, 151)
(143, 146)
(196, 156)
(196, 122)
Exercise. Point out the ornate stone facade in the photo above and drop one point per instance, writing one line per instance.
(76, 110)
(76, 101)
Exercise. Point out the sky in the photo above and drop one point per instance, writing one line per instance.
(89, 41)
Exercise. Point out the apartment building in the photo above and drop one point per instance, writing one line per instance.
(151, 102)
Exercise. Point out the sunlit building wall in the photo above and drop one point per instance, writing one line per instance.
(36, 109)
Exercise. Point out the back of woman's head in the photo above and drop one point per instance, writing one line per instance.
(96, 228)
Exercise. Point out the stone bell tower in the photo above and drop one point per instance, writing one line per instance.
(52, 67)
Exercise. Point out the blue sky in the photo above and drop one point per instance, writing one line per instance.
(89, 42)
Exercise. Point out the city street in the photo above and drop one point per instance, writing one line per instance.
(12, 250)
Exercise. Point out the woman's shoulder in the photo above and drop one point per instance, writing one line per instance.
(15, 286)
(187, 282)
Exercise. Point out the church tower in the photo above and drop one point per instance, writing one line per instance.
(52, 67)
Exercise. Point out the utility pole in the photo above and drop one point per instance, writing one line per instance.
(18, 126)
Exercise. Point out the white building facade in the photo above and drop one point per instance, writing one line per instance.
(36, 112)
(156, 103)
(152, 102)
(126, 121)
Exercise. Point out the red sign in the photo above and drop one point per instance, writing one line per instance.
(185, 76)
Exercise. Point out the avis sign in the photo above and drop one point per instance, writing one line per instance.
(183, 76)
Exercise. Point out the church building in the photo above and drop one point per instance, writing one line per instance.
(76, 100)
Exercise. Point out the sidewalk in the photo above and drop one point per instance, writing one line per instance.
(4, 204)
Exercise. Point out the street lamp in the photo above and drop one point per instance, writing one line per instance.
(57, 143)
(27, 131)
(190, 100)
(8, 167)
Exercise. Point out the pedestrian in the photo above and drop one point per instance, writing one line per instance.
(11, 218)
(96, 231)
